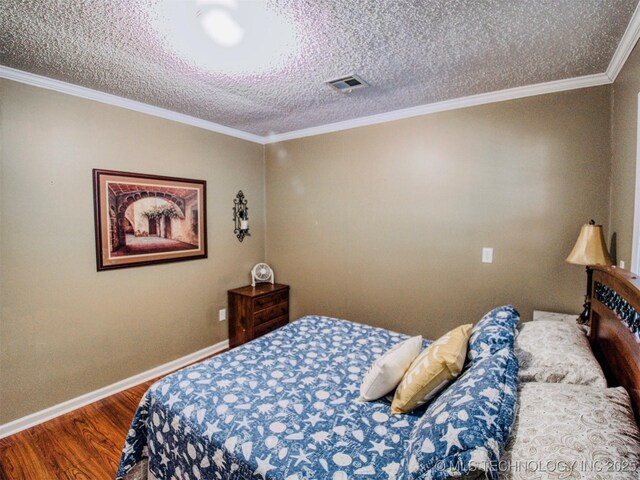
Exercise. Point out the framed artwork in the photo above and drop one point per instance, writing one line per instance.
(145, 219)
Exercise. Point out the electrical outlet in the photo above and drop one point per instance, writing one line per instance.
(621, 263)
(222, 314)
(487, 255)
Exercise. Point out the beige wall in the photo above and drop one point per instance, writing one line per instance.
(382, 225)
(623, 161)
(65, 329)
(385, 224)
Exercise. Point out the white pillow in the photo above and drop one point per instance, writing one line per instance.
(387, 371)
(556, 352)
(572, 432)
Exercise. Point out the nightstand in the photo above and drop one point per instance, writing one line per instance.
(561, 317)
(255, 311)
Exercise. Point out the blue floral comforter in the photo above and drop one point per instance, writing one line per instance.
(281, 407)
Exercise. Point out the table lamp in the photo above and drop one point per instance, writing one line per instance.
(590, 249)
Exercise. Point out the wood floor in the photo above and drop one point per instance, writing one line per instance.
(83, 444)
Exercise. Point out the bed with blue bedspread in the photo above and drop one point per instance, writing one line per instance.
(285, 406)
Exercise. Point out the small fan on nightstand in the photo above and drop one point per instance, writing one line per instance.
(261, 272)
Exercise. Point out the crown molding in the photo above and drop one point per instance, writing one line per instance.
(50, 413)
(471, 101)
(83, 92)
(463, 102)
(625, 47)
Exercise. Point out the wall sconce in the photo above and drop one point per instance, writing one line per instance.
(241, 216)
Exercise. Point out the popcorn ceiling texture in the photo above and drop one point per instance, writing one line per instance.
(412, 52)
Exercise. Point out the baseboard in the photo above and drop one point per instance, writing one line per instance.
(42, 416)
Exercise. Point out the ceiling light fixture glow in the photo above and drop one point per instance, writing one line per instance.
(228, 36)
(222, 28)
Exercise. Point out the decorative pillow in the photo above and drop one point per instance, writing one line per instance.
(572, 432)
(433, 370)
(465, 429)
(495, 331)
(556, 352)
(387, 371)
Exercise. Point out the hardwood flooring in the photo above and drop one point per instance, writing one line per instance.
(82, 445)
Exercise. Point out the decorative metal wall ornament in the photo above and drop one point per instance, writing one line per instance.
(609, 297)
(241, 216)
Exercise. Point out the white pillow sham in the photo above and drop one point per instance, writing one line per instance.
(387, 371)
(572, 432)
(556, 352)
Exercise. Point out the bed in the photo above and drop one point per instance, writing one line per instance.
(285, 406)
(287, 399)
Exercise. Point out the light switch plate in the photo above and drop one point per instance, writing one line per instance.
(487, 255)
(222, 314)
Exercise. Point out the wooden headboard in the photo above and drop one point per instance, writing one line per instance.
(615, 316)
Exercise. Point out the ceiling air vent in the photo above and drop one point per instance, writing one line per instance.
(347, 84)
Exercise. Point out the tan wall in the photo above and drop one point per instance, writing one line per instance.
(623, 161)
(385, 224)
(66, 329)
(382, 224)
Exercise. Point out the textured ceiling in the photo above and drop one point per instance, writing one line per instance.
(265, 74)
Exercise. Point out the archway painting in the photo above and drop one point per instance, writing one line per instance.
(143, 219)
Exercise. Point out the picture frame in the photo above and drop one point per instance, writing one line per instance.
(143, 219)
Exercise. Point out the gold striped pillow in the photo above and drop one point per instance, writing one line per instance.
(432, 370)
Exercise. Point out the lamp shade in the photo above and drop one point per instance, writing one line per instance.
(590, 248)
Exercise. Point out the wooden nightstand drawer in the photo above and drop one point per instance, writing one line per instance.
(267, 301)
(270, 313)
(254, 311)
(270, 326)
